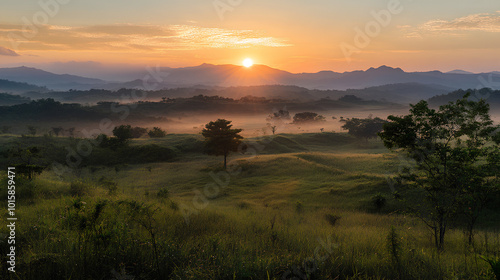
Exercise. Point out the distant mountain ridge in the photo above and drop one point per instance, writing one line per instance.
(394, 93)
(7, 86)
(47, 79)
(209, 75)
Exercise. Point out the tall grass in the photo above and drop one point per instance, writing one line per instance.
(304, 215)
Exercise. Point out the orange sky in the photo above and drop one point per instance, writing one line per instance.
(291, 35)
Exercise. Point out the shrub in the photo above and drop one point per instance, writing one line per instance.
(78, 189)
(332, 219)
(307, 117)
(163, 193)
(495, 265)
(157, 133)
(299, 207)
(109, 185)
(123, 133)
(379, 201)
(174, 205)
(137, 132)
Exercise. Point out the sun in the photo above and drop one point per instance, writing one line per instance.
(248, 62)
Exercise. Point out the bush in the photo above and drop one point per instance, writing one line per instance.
(174, 205)
(379, 201)
(495, 265)
(157, 133)
(123, 133)
(163, 193)
(332, 219)
(299, 207)
(109, 185)
(137, 132)
(78, 189)
(307, 117)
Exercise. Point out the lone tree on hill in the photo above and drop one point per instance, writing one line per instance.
(456, 154)
(221, 139)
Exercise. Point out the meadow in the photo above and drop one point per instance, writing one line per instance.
(303, 206)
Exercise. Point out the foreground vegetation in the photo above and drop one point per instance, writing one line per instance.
(307, 206)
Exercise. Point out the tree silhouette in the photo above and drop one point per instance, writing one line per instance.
(307, 117)
(123, 133)
(57, 130)
(363, 128)
(157, 133)
(456, 155)
(31, 129)
(221, 139)
(137, 132)
(29, 161)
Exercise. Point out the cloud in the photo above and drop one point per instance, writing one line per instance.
(7, 52)
(488, 22)
(153, 38)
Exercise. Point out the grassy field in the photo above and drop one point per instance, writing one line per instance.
(299, 207)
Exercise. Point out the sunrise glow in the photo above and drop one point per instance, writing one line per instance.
(248, 62)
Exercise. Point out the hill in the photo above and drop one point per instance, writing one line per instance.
(393, 93)
(10, 99)
(491, 96)
(209, 75)
(19, 87)
(47, 79)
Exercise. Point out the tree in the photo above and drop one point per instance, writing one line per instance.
(279, 116)
(277, 119)
(31, 129)
(123, 133)
(456, 161)
(26, 161)
(57, 130)
(307, 117)
(157, 133)
(137, 132)
(272, 127)
(221, 139)
(363, 128)
(71, 131)
(112, 143)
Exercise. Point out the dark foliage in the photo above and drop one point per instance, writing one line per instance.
(363, 128)
(307, 117)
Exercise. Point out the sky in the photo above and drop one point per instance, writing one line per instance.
(79, 36)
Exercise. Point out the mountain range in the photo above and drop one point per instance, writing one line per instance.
(47, 79)
(209, 75)
(382, 84)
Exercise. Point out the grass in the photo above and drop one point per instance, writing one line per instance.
(302, 209)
